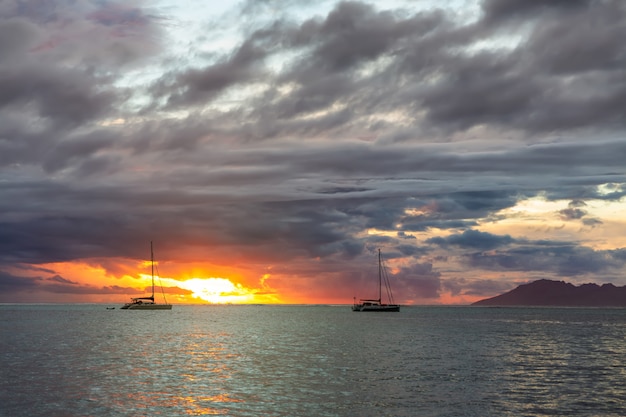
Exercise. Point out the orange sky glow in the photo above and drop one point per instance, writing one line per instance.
(193, 287)
(116, 280)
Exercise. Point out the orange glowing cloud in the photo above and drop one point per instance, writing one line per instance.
(218, 290)
(115, 280)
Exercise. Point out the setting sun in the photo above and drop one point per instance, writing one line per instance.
(218, 290)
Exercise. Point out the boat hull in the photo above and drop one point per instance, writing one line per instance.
(392, 308)
(147, 307)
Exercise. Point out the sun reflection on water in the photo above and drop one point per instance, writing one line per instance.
(218, 290)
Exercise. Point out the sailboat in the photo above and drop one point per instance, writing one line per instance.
(377, 305)
(147, 303)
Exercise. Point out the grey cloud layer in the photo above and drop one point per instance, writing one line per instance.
(308, 133)
(567, 73)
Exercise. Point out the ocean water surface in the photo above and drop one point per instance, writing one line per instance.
(85, 360)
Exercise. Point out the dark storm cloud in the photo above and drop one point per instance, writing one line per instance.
(419, 280)
(86, 289)
(60, 279)
(37, 240)
(17, 35)
(65, 97)
(78, 151)
(559, 49)
(201, 85)
(12, 286)
(58, 66)
(562, 260)
(352, 33)
(89, 32)
(60, 61)
(308, 135)
(473, 239)
(572, 213)
(352, 38)
(575, 212)
(10, 283)
(478, 287)
(455, 210)
(586, 187)
(504, 10)
(308, 224)
(544, 83)
(592, 222)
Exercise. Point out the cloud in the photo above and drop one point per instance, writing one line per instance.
(478, 287)
(202, 85)
(473, 239)
(60, 279)
(504, 87)
(17, 36)
(311, 135)
(419, 281)
(564, 260)
(10, 283)
(504, 10)
(91, 32)
(592, 222)
(15, 288)
(572, 213)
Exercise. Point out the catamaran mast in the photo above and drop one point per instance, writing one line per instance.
(380, 283)
(152, 265)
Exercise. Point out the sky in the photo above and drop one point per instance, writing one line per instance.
(268, 149)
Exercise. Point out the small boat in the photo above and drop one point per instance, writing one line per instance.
(147, 303)
(377, 305)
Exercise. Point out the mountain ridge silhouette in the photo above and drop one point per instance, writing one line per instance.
(546, 292)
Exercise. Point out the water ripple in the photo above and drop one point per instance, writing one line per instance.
(311, 361)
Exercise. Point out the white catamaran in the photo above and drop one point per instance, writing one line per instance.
(147, 303)
(377, 305)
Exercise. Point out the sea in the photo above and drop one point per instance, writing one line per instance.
(230, 360)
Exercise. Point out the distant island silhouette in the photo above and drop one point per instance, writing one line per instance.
(546, 292)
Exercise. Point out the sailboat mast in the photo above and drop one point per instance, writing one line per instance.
(380, 283)
(152, 266)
